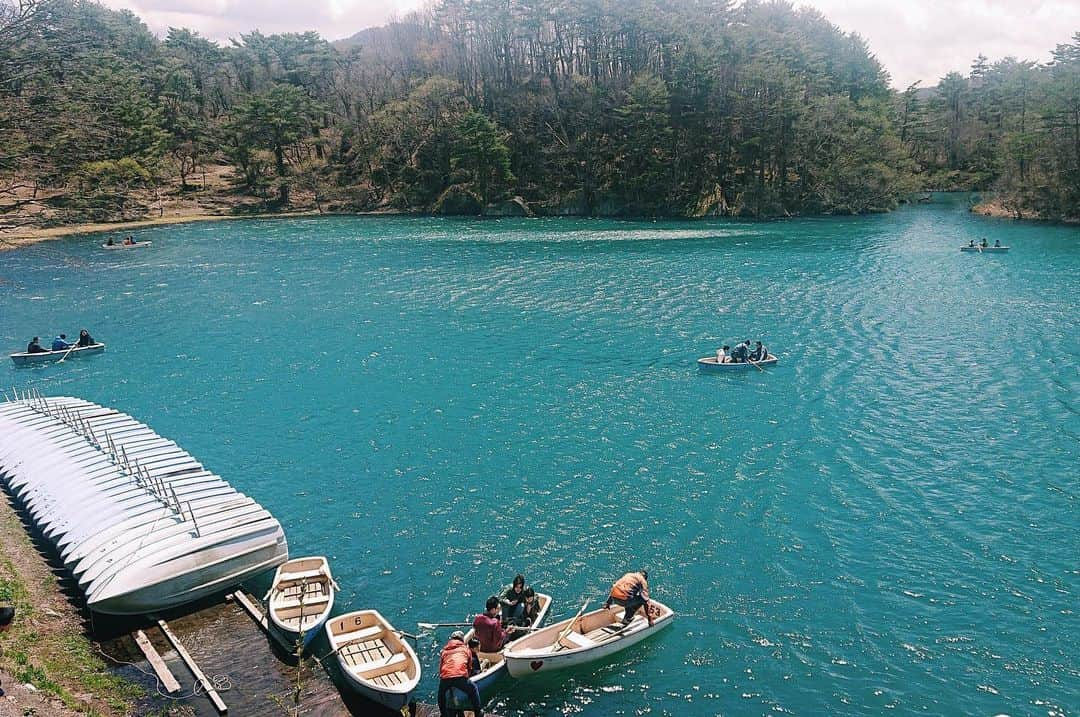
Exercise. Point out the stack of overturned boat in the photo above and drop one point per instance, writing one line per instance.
(141, 524)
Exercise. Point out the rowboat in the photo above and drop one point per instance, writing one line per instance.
(492, 665)
(374, 658)
(986, 249)
(24, 359)
(122, 245)
(709, 364)
(582, 639)
(300, 599)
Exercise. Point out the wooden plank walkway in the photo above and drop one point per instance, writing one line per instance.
(250, 670)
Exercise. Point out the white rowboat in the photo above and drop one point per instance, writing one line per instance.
(579, 640)
(300, 599)
(26, 359)
(374, 658)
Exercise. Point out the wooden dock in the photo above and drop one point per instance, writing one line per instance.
(249, 671)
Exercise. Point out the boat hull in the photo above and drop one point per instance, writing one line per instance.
(24, 359)
(121, 245)
(709, 365)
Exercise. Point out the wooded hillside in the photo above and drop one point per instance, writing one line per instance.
(614, 107)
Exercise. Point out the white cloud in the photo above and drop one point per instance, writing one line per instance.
(914, 39)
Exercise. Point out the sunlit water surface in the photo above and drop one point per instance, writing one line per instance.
(888, 520)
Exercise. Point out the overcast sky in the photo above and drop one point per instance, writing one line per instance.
(914, 39)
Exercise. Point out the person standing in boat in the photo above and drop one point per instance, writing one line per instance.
(489, 628)
(35, 347)
(456, 665)
(60, 343)
(512, 600)
(631, 591)
(85, 339)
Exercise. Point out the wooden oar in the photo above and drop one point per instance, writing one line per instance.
(569, 626)
(433, 625)
(70, 349)
(755, 365)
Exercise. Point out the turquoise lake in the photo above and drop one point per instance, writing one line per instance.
(886, 522)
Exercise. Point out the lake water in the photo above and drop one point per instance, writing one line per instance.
(888, 520)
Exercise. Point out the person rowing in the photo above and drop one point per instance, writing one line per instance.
(741, 352)
(760, 353)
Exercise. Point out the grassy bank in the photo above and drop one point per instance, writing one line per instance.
(47, 646)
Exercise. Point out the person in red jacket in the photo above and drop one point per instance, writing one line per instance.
(631, 591)
(457, 663)
(488, 628)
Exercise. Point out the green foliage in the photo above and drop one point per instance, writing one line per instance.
(635, 107)
(477, 152)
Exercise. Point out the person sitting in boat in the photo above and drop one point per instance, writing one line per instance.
(35, 347)
(631, 591)
(984, 243)
(110, 242)
(512, 600)
(532, 608)
(129, 240)
(457, 663)
(60, 343)
(85, 339)
(489, 628)
(741, 352)
(760, 353)
(722, 354)
(997, 243)
(971, 243)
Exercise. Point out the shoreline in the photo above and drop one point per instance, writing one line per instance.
(26, 237)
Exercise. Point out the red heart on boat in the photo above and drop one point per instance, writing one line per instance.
(536, 664)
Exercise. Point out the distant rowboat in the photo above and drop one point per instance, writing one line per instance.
(24, 359)
(709, 363)
(592, 636)
(300, 600)
(986, 249)
(374, 658)
(121, 245)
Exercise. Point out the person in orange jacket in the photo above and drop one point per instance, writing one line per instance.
(457, 663)
(631, 591)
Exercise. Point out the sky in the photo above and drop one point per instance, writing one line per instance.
(916, 40)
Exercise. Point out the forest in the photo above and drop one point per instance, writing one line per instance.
(682, 108)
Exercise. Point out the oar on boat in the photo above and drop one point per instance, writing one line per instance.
(570, 626)
(70, 349)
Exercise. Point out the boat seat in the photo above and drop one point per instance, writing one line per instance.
(304, 575)
(308, 601)
(395, 663)
(366, 633)
(575, 640)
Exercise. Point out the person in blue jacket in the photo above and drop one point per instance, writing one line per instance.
(60, 343)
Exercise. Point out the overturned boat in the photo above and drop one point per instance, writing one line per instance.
(141, 525)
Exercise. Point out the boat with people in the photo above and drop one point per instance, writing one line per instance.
(710, 363)
(374, 658)
(23, 358)
(300, 599)
(126, 244)
(987, 249)
(583, 638)
(492, 665)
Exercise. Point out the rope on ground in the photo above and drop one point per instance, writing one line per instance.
(221, 682)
